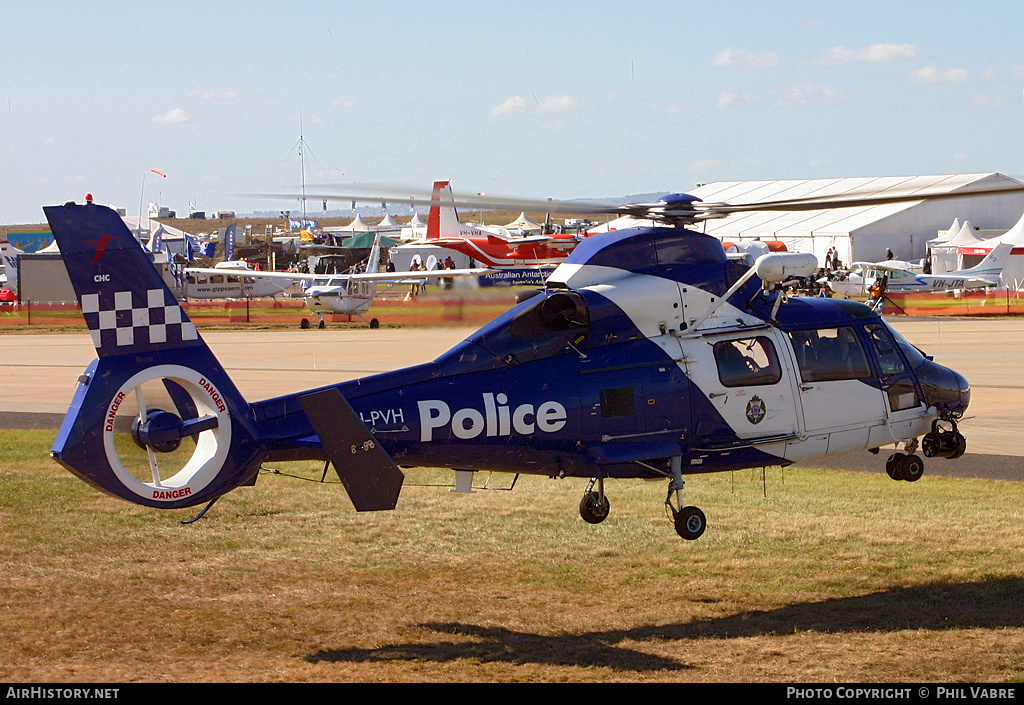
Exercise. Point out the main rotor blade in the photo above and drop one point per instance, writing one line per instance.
(680, 213)
(424, 198)
(848, 200)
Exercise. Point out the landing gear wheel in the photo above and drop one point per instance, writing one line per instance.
(912, 468)
(594, 508)
(894, 466)
(304, 323)
(322, 324)
(374, 323)
(690, 523)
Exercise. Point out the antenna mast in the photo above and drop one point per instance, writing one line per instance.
(302, 170)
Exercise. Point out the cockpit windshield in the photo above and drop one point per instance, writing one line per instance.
(915, 358)
(546, 325)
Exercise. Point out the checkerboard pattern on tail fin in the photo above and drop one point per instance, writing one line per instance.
(125, 301)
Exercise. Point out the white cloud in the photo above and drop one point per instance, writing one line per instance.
(734, 57)
(171, 117)
(931, 75)
(340, 103)
(213, 95)
(726, 98)
(558, 104)
(701, 166)
(517, 104)
(513, 104)
(876, 53)
(984, 100)
(805, 94)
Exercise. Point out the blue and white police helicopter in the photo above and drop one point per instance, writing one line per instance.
(647, 354)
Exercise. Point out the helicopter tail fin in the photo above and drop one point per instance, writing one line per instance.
(154, 367)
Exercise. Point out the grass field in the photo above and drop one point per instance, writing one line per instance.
(802, 576)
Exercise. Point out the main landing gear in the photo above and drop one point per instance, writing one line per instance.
(304, 323)
(321, 323)
(689, 522)
(594, 506)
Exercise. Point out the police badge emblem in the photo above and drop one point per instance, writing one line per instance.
(755, 410)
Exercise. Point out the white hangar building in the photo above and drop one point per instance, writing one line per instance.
(863, 233)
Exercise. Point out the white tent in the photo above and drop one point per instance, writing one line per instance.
(358, 225)
(946, 256)
(388, 223)
(946, 235)
(1013, 272)
(523, 223)
(415, 229)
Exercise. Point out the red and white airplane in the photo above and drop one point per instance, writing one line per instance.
(494, 247)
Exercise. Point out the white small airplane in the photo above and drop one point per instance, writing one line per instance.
(231, 280)
(899, 278)
(349, 294)
(10, 254)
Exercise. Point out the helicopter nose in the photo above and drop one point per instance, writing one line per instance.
(945, 389)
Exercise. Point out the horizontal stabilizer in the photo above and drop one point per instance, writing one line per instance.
(371, 478)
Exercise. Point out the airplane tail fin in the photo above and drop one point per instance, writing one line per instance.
(440, 218)
(993, 263)
(156, 397)
(229, 242)
(373, 263)
(10, 255)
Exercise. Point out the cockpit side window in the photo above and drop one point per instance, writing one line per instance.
(889, 361)
(555, 314)
(900, 387)
(544, 326)
(747, 362)
(826, 354)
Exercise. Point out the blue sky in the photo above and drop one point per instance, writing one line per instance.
(530, 99)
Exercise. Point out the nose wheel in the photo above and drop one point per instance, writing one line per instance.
(904, 466)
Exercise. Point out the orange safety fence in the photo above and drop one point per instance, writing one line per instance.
(424, 310)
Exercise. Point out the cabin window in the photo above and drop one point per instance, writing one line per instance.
(747, 362)
(826, 354)
(620, 401)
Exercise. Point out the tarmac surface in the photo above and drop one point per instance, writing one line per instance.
(38, 374)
